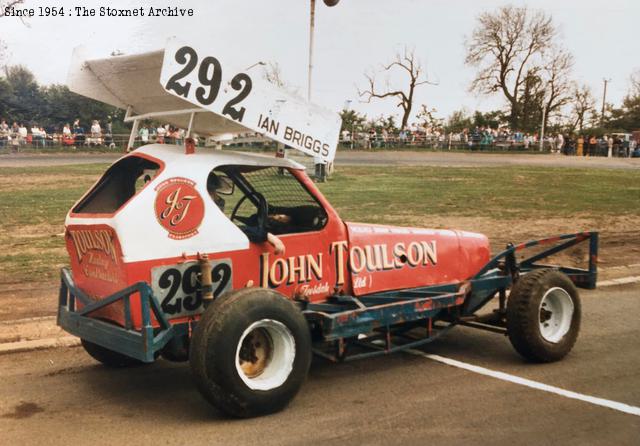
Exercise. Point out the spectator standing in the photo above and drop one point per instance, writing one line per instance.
(624, 147)
(373, 136)
(4, 133)
(22, 134)
(35, 135)
(144, 134)
(403, 137)
(15, 138)
(559, 143)
(160, 132)
(96, 130)
(580, 146)
(609, 146)
(593, 144)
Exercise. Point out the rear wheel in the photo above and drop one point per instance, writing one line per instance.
(250, 352)
(543, 315)
(108, 357)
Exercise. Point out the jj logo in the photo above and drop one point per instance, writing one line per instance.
(178, 207)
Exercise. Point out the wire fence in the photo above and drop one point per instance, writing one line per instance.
(450, 142)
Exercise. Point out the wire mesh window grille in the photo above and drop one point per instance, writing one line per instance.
(291, 208)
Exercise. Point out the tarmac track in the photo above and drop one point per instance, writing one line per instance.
(346, 157)
(61, 396)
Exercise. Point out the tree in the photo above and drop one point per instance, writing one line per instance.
(409, 65)
(493, 119)
(352, 121)
(628, 116)
(24, 102)
(557, 84)
(458, 121)
(506, 47)
(582, 104)
(635, 83)
(427, 118)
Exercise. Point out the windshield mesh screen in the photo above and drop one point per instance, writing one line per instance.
(290, 206)
(119, 183)
(279, 188)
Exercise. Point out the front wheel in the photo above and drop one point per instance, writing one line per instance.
(543, 315)
(250, 352)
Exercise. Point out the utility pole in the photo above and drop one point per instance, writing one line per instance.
(544, 113)
(604, 99)
(320, 166)
(544, 116)
(311, 29)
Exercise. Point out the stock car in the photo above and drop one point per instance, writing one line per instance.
(239, 265)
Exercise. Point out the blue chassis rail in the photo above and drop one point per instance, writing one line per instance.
(388, 319)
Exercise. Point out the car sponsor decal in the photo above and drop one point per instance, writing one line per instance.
(360, 260)
(179, 208)
(96, 252)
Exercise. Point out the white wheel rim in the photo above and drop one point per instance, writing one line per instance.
(555, 314)
(265, 354)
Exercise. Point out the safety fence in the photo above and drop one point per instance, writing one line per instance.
(119, 143)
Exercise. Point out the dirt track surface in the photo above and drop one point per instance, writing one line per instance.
(63, 397)
(345, 157)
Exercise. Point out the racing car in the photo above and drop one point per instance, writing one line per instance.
(239, 265)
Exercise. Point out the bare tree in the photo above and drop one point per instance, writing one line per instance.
(635, 83)
(504, 47)
(427, 118)
(408, 64)
(556, 81)
(5, 4)
(583, 103)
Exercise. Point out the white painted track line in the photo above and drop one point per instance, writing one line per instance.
(621, 407)
(38, 344)
(620, 281)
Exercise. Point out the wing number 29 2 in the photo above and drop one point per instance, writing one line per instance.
(182, 292)
(210, 78)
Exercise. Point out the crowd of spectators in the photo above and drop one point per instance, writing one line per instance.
(486, 138)
(18, 135)
(74, 135)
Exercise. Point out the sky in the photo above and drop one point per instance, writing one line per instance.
(352, 38)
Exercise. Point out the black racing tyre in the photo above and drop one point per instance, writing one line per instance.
(543, 315)
(250, 352)
(108, 357)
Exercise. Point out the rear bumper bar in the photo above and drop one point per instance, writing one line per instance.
(142, 344)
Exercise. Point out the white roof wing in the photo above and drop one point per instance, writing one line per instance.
(132, 81)
(227, 100)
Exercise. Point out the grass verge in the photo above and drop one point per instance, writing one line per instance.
(35, 200)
